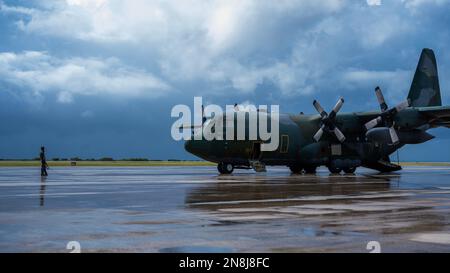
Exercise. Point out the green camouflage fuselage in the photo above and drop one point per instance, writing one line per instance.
(296, 145)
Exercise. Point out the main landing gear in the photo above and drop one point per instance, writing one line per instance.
(349, 166)
(295, 169)
(225, 168)
(336, 170)
(299, 169)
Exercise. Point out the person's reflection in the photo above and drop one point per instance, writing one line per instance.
(42, 191)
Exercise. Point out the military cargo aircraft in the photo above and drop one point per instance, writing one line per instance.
(342, 142)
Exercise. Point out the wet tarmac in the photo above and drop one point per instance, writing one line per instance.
(192, 209)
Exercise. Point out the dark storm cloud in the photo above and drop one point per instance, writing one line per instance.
(99, 78)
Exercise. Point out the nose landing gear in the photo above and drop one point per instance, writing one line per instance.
(225, 168)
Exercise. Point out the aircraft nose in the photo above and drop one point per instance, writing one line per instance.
(196, 147)
(188, 146)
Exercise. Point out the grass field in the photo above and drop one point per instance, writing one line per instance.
(118, 163)
(431, 164)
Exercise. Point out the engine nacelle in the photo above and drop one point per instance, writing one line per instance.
(382, 135)
(379, 135)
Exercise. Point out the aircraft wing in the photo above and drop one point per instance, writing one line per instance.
(364, 117)
(438, 116)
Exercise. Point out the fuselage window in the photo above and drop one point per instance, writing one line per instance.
(284, 143)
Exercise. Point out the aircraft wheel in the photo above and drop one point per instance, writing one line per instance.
(225, 168)
(334, 170)
(350, 170)
(310, 169)
(296, 169)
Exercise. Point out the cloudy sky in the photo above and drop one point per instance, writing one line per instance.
(94, 78)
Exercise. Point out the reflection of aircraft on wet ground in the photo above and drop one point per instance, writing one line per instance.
(266, 191)
(342, 142)
(327, 213)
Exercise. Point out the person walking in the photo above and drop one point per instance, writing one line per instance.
(44, 164)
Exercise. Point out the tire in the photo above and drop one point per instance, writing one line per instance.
(295, 169)
(310, 169)
(225, 168)
(350, 170)
(334, 170)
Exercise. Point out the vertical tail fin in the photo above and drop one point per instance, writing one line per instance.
(425, 89)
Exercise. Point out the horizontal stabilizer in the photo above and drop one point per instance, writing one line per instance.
(436, 116)
(383, 166)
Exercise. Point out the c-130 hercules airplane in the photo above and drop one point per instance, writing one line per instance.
(342, 142)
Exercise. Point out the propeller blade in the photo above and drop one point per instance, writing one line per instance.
(319, 109)
(374, 122)
(336, 108)
(380, 98)
(319, 134)
(403, 105)
(340, 136)
(394, 137)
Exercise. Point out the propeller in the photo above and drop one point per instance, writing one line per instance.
(387, 115)
(328, 121)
